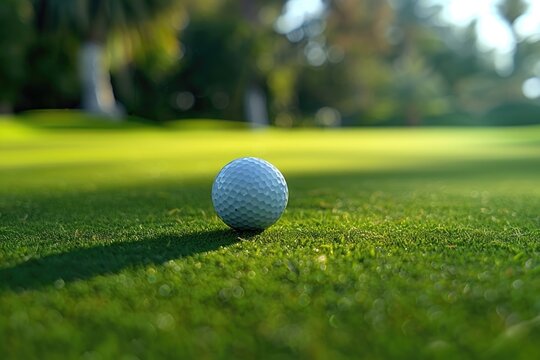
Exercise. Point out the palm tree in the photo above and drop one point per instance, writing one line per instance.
(95, 23)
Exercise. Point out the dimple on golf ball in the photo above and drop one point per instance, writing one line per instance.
(249, 194)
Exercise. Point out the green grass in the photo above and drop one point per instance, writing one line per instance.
(396, 243)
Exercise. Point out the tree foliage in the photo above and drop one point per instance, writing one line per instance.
(359, 62)
(15, 37)
(511, 10)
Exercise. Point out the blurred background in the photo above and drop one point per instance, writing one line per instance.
(294, 63)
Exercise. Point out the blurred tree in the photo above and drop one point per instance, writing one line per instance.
(130, 26)
(511, 10)
(419, 90)
(210, 80)
(51, 75)
(15, 37)
(458, 57)
(255, 101)
(487, 93)
(259, 17)
(349, 62)
(346, 67)
(385, 72)
(230, 63)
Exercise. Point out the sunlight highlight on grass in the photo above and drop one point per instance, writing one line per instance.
(149, 152)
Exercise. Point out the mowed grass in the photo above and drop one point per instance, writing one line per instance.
(396, 243)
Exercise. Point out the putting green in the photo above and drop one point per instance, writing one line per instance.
(408, 243)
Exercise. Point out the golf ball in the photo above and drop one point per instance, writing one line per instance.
(249, 194)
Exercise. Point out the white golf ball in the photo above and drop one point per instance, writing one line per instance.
(249, 194)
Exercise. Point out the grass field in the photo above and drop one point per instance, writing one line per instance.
(396, 243)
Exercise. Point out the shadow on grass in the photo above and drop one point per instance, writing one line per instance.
(109, 259)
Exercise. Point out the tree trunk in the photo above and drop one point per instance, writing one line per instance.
(255, 107)
(413, 116)
(97, 93)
